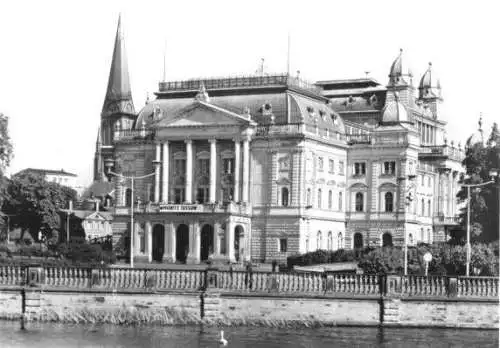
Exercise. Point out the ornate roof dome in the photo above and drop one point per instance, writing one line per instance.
(478, 136)
(395, 112)
(398, 75)
(429, 86)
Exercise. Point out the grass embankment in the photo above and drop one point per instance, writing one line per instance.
(165, 316)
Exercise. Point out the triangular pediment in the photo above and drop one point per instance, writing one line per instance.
(205, 114)
(96, 216)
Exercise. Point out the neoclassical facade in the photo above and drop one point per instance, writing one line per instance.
(265, 166)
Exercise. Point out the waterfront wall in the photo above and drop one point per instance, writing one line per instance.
(218, 297)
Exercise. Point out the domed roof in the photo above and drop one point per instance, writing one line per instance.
(398, 75)
(429, 86)
(477, 137)
(395, 112)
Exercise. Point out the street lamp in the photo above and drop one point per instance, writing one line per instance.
(109, 163)
(408, 200)
(493, 174)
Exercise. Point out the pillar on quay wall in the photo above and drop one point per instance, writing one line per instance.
(166, 158)
(149, 241)
(246, 164)
(157, 173)
(189, 171)
(237, 151)
(213, 169)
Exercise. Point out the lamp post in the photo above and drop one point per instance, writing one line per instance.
(408, 199)
(109, 164)
(493, 173)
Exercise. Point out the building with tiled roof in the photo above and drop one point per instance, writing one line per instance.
(264, 166)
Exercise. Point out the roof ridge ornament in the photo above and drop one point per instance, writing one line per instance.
(202, 94)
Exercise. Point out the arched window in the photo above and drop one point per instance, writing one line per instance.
(307, 245)
(389, 203)
(319, 241)
(284, 197)
(359, 201)
(128, 197)
(340, 201)
(421, 239)
(422, 207)
(387, 240)
(358, 240)
(340, 241)
(330, 240)
(330, 199)
(429, 207)
(308, 196)
(319, 198)
(410, 239)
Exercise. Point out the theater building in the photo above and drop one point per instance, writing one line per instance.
(264, 166)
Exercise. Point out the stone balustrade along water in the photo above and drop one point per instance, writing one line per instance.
(118, 279)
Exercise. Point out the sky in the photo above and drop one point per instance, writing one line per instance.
(55, 57)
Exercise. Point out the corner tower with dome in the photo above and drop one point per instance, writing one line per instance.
(265, 166)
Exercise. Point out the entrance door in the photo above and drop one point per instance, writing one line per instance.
(207, 242)
(182, 243)
(158, 242)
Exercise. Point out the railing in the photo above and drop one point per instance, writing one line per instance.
(317, 283)
(130, 134)
(358, 138)
(238, 82)
(295, 129)
(440, 219)
(443, 150)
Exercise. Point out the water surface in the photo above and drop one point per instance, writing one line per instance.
(51, 335)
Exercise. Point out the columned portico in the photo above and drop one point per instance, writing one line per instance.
(213, 169)
(166, 157)
(189, 171)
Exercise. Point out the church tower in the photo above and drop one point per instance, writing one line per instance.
(401, 83)
(118, 113)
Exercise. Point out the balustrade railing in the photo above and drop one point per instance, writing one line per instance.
(116, 279)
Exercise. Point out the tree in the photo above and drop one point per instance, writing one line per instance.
(479, 160)
(35, 203)
(5, 156)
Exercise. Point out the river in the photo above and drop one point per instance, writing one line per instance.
(51, 335)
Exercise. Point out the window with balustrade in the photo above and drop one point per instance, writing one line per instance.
(202, 194)
(179, 194)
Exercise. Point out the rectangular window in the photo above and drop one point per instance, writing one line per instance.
(429, 181)
(180, 166)
(389, 168)
(423, 180)
(341, 167)
(203, 166)
(340, 201)
(330, 199)
(320, 164)
(202, 194)
(331, 166)
(360, 168)
(283, 245)
(178, 195)
(142, 246)
(228, 164)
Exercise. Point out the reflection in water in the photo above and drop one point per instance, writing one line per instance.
(64, 335)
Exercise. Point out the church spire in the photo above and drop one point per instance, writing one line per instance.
(118, 95)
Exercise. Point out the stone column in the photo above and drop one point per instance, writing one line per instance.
(149, 241)
(137, 238)
(189, 170)
(172, 239)
(194, 243)
(236, 169)
(246, 160)
(157, 173)
(216, 238)
(165, 176)
(213, 169)
(230, 240)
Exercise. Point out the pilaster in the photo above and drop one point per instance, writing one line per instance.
(189, 171)
(165, 171)
(237, 165)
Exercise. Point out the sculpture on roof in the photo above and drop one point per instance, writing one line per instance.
(202, 94)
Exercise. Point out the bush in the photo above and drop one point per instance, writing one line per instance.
(325, 256)
(83, 253)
